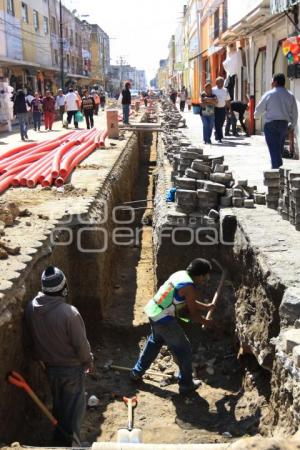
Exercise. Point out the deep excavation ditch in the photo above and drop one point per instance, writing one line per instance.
(111, 288)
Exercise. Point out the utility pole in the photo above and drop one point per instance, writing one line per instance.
(61, 46)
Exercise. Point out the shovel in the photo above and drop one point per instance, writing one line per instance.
(130, 435)
(17, 380)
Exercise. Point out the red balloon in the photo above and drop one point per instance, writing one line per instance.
(294, 49)
(296, 58)
(298, 40)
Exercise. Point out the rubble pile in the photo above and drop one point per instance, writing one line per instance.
(203, 182)
(171, 117)
(284, 193)
(9, 211)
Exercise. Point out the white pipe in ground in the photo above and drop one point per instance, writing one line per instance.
(120, 446)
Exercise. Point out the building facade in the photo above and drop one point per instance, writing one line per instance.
(31, 55)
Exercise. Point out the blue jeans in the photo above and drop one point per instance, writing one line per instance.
(68, 391)
(126, 109)
(23, 122)
(36, 119)
(275, 134)
(220, 115)
(208, 124)
(171, 334)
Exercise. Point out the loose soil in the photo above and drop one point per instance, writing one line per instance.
(232, 398)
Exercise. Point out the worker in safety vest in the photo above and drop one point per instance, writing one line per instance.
(177, 294)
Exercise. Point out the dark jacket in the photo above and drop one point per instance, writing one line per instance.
(126, 97)
(20, 103)
(88, 104)
(58, 332)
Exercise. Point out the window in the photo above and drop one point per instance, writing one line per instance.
(36, 20)
(66, 33)
(71, 38)
(45, 25)
(10, 7)
(53, 25)
(68, 61)
(225, 17)
(217, 23)
(24, 12)
(56, 57)
(73, 64)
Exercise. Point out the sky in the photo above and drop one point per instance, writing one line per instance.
(140, 30)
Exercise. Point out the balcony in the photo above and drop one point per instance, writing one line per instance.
(279, 6)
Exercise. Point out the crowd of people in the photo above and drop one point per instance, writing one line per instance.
(33, 108)
(216, 106)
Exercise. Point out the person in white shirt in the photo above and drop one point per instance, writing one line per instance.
(71, 106)
(220, 109)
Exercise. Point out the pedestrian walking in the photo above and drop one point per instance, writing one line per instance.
(183, 95)
(71, 106)
(280, 109)
(220, 108)
(240, 108)
(60, 103)
(29, 97)
(173, 96)
(20, 111)
(102, 100)
(87, 108)
(49, 110)
(37, 111)
(178, 292)
(96, 100)
(208, 102)
(59, 341)
(126, 102)
(145, 98)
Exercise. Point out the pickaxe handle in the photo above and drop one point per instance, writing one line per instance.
(16, 379)
(218, 291)
(128, 369)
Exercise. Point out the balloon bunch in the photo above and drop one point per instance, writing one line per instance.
(291, 49)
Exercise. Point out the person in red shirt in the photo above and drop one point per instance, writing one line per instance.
(49, 110)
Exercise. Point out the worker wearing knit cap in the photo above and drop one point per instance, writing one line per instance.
(60, 342)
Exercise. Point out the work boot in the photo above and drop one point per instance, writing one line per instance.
(190, 387)
(135, 377)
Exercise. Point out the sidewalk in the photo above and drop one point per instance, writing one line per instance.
(246, 157)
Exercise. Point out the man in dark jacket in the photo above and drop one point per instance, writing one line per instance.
(126, 102)
(240, 108)
(60, 342)
(20, 111)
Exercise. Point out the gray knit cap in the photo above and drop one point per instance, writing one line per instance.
(53, 280)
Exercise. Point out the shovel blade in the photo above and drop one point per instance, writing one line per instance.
(125, 436)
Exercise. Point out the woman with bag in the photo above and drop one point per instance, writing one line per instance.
(208, 101)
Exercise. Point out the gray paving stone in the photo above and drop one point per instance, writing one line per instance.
(289, 310)
(214, 187)
(185, 183)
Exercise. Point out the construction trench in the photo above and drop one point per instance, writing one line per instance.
(123, 243)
